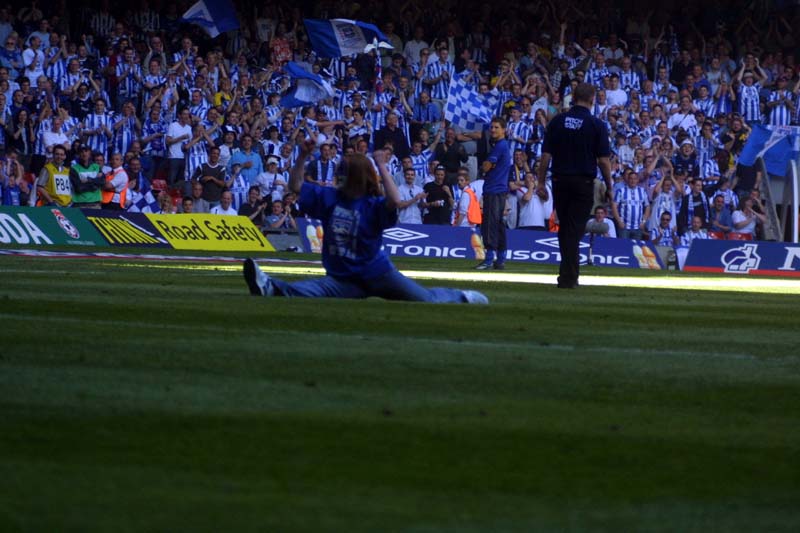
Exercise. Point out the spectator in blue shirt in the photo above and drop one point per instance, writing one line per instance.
(497, 169)
(248, 159)
(426, 112)
(720, 216)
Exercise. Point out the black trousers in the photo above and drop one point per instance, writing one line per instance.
(493, 231)
(573, 197)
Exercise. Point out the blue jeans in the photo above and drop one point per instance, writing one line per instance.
(391, 286)
(175, 172)
(635, 234)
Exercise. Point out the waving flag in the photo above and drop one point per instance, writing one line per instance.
(146, 201)
(307, 87)
(214, 16)
(342, 37)
(776, 144)
(466, 107)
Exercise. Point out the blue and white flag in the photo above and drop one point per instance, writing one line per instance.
(145, 202)
(466, 107)
(341, 37)
(214, 16)
(307, 87)
(776, 144)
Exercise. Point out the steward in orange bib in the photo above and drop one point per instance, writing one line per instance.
(115, 189)
(468, 211)
(53, 186)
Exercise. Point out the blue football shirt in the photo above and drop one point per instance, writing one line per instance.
(496, 180)
(351, 244)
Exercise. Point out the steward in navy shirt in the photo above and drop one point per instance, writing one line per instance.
(577, 143)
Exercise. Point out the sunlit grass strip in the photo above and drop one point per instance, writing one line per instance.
(679, 281)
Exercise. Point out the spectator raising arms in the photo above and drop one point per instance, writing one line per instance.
(678, 92)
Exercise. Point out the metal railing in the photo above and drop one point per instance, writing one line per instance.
(773, 229)
(790, 202)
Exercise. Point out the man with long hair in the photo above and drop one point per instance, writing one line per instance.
(354, 216)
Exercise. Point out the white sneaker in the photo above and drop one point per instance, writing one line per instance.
(257, 281)
(475, 297)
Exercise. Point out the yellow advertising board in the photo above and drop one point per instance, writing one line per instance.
(211, 232)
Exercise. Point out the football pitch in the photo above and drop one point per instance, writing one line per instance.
(160, 396)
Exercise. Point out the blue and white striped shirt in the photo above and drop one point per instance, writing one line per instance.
(156, 146)
(645, 98)
(723, 105)
(378, 118)
(125, 135)
(595, 76)
(153, 79)
(689, 236)
(56, 71)
(632, 203)
(706, 105)
(658, 87)
(629, 81)
(434, 70)
(98, 141)
(521, 130)
(705, 148)
(271, 147)
(665, 238)
(780, 115)
(710, 173)
(196, 156)
(128, 86)
(68, 80)
(749, 102)
(200, 110)
(420, 163)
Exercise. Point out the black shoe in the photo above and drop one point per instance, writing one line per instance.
(572, 285)
(483, 266)
(499, 266)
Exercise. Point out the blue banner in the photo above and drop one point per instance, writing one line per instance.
(214, 16)
(308, 88)
(776, 144)
(341, 37)
(411, 240)
(744, 257)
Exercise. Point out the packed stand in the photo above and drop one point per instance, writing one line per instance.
(134, 110)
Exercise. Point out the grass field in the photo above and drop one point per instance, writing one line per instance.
(162, 397)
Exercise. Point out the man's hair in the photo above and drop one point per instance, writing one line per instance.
(499, 120)
(584, 92)
(254, 187)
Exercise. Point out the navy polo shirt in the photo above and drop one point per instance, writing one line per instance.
(575, 140)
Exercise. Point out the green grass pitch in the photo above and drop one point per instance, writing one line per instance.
(162, 397)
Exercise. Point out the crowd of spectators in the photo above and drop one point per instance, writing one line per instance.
(125, 107)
